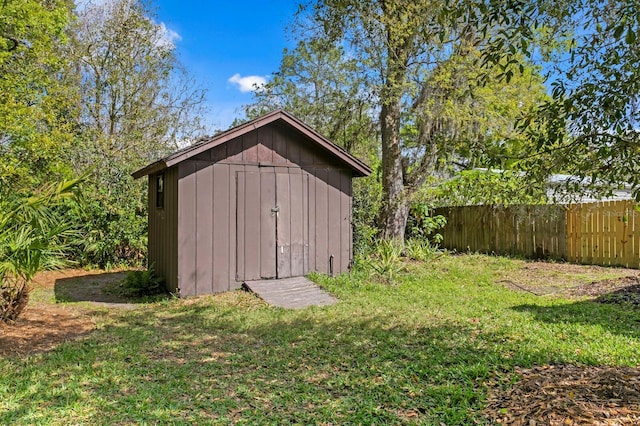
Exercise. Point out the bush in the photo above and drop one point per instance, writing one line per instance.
(142, 283)
(33, 236)
(421, 225)
(367, 194)
(115, 227)
(421, 249)
(385, 260)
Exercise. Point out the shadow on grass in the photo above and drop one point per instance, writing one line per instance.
(618, 319)
(99, 288)
(229, 360)
(205, 366)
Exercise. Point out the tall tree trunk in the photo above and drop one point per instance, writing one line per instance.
(395, 205)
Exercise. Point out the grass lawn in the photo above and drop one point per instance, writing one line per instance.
(423, 350)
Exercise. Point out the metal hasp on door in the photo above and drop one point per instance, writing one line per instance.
(272, 224)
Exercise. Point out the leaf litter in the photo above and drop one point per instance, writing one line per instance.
(568, 395)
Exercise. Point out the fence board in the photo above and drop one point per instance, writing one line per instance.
(605, 233)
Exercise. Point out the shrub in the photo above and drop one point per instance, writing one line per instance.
(421, 249)
(421, 225)
(385, 260)
(34, 234)
(367, 194)
(115, 227)
(142, 283)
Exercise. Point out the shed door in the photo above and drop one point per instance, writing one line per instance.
(272, 226)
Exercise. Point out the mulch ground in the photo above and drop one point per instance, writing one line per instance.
(43, 326)
(569, 395)
(563, 394)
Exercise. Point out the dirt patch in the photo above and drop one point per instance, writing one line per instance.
(569, 395)
(623, 290)
(42, 327)
(92, 287)
(549, 278)
(45, 324)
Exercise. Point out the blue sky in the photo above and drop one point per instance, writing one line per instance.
(227, 45)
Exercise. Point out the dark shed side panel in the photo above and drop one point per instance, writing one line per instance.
(223, 230)
(206, 228)
(163, 231)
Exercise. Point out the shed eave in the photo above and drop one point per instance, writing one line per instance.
(150, 169)
(358, 167)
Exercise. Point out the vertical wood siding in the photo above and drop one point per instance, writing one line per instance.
(163, 230)
(187, 277)
(226, 231)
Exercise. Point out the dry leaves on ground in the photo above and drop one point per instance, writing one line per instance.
(42, 327)
(569, 395)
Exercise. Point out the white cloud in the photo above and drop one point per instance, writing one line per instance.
(249, 83)
(168, 37)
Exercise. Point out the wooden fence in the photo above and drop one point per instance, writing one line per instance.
(605, 233)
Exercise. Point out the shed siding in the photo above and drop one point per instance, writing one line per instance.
(266, 219)
(204, 211)
(163, 233)
(187, 278)
(321, 225)
(346, 230)
(221, 227)
(334, 223)
(224, 231)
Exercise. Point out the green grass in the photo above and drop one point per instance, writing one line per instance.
(423, 350)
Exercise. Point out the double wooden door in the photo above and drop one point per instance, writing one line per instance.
(272, 230)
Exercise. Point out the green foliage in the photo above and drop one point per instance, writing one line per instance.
(473, 187)
(421, 249)
(142, 283)
(385, 260)
(114, 226)
(36, 103)
(422, 225)
(590, 126)
(366, 206)
(34, 235)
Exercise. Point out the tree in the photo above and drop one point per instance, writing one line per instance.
(138, 103)
(318, 83)
(35, 102)
(590, 127)
(474, 187)
(419, 62)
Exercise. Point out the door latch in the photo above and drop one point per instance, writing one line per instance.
(275, 209)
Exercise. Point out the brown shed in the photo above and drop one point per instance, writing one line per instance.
(268, 199)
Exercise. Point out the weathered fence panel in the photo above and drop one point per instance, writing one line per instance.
(604, 233)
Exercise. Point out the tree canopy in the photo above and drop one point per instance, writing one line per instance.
(590, 127)
(36, 105)
(411, 70)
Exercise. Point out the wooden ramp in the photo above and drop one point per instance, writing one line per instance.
(291, 293)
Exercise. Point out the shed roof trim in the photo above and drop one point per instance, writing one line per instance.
(358, 167)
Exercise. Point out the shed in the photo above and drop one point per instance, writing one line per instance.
(271, 198)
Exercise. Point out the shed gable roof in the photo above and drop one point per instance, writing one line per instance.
(358, 167)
